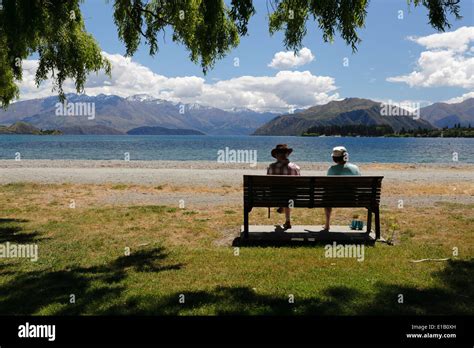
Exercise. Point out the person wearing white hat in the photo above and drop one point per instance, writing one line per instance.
(342, 167)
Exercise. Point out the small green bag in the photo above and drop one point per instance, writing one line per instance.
(357, 225)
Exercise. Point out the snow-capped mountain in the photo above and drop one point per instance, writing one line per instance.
(123, 114)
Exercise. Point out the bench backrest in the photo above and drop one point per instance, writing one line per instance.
(312, 191)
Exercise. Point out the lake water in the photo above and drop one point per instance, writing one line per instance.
(184, 148)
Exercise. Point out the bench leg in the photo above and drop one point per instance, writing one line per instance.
(246, 223)
(369, 220)
(377, 223)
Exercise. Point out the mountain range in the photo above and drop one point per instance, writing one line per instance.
(144, 114)
(117, 115)
(446, 115)
(357, 111)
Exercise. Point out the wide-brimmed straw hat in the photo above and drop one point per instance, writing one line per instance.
(281, 148)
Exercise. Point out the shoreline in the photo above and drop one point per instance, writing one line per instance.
(207, 173)
(205, 164)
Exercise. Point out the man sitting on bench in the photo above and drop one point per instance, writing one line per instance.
(283, 166)
(341, 157)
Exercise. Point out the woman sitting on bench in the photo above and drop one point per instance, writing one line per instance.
(341, 157)
(283, 166)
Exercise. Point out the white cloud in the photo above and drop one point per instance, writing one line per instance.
(447, 62)
(461, 98)
(287, 60)
(457, 40)
(286, 89)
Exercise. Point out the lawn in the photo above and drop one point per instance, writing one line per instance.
(98, 259)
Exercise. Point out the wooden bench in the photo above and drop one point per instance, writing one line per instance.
(313, 192)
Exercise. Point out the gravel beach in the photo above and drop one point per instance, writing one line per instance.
(204, 173)
(188, 175)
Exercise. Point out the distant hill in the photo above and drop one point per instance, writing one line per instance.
(25, 128)
(447, 115)
(90, 130)
(162, 131)
(124, 114)
(350, 111)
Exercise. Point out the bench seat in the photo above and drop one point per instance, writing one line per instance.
(313, 192)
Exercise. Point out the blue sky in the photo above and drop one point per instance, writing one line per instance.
(385, 51)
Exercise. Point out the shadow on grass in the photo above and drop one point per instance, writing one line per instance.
(238, 301)
(454, 295)
(94, 288)
(299, 242)
(11, 230)
(103, 290)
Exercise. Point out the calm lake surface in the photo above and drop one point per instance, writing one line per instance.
(185, 148)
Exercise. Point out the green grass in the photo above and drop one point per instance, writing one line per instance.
(119, 187)
(82, 252)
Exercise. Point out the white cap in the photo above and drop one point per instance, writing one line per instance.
(339, 151)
